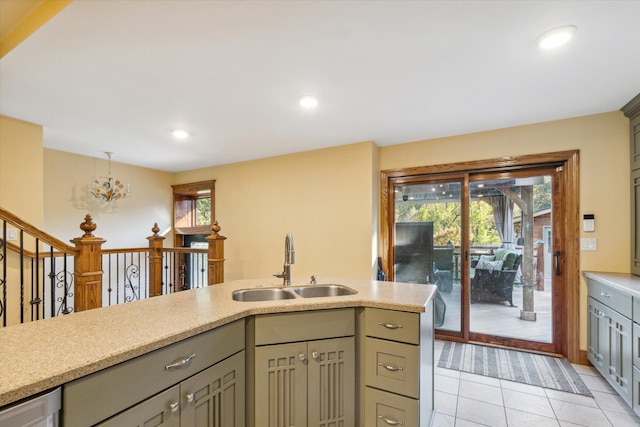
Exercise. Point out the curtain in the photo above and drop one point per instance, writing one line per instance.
(502, 208)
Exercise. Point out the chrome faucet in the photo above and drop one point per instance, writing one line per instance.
(289, 259)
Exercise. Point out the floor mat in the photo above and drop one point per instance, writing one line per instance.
(527, 368)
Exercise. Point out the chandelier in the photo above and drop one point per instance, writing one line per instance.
(109, 189)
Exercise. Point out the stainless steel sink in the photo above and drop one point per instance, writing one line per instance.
(262, 294)
(316, 291)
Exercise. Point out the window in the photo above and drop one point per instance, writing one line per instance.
(193, 210)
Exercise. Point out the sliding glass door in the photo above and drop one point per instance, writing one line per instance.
(427, 240)
(490, 242)
(511, 289)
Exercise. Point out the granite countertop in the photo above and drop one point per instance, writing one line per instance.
(625, 282)
(38, 356)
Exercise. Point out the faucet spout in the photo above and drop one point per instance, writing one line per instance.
(289, 259)
(289, 251)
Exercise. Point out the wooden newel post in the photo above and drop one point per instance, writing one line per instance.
(155, 262)
(216, 255)
(88, 268)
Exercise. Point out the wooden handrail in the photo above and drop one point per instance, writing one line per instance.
(37, 233)
(30, 254)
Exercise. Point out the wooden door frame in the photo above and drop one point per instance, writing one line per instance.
(569, 261)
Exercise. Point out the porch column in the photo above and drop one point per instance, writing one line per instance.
(528, 281)
(215, 255)
(88, 268)
(155, 262)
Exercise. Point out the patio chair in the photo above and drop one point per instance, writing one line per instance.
(443, 268)
(492, 280)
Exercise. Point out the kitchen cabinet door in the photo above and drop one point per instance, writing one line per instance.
(281, 385)
(215, 397)
(163, 409)
(597, 345)
(331, 382)
(620, 364)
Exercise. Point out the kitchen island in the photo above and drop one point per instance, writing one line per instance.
(42, 355)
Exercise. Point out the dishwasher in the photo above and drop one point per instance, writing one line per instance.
(40, 411)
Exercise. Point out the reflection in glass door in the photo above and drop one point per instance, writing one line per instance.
(427, 238)
(510, 287)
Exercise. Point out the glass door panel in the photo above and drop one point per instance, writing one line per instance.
(510, 247)
(427, 237)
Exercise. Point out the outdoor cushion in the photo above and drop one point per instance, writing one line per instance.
(490, 265)
(508, 257)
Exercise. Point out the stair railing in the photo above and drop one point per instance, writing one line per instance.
(41, 276)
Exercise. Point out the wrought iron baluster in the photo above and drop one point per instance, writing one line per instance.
(35, 280)
(52, 284)
(131, 272)
(3, 279)
(21, 258)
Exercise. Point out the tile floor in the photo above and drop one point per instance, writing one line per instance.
(463, 399)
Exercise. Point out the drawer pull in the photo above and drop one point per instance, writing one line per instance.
(604, 294)
(391, 368)
(390, 421)
(175, 406)
(180, 363)
(190, 397)
(390, 325)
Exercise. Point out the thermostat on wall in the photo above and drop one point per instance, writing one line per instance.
(589, 222)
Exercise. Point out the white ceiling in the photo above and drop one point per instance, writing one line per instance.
(120, 75)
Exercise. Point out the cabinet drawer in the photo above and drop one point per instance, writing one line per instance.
(636, 310)
(619, 301)
(392, 325)
(304, 326)
(98, 396)
(384, 409)
(392, 366)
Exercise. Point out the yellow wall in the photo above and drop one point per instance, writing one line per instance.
(124, 225)
(325, 198)
(603, 141)
(328, 199)
(21, 169)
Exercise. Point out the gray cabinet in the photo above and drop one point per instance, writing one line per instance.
(398, 368)
(310, 382)
(610, 336)
(212, 398)
(597, 329)
(635, 350)
(635, 222)
(632, 111)
(194, 375)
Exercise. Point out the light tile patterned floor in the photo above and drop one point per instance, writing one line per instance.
(463, 399)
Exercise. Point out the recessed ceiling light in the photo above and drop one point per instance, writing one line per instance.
(180, 134)
(308, 101)
(556, 37)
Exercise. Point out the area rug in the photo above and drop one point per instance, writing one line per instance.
(527, 368)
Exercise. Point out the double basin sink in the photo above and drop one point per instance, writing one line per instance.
(273, 294)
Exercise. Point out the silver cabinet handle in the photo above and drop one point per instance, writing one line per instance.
(390, 421)
(302, 357)
(391, 368)
(315, 355)
(175, 406)
(604, 294)
(179, 363)
(190, 397)
(390, 325)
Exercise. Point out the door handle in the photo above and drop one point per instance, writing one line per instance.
(557, 256)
